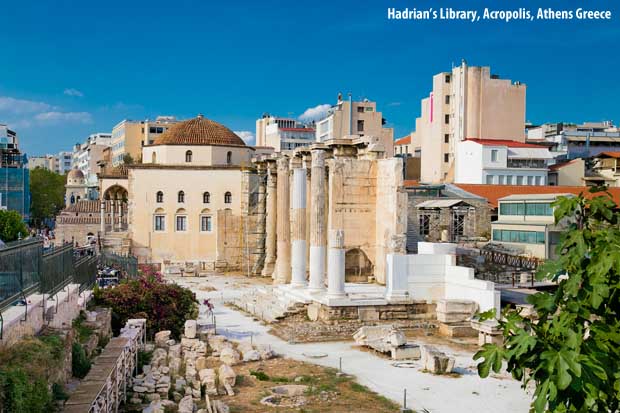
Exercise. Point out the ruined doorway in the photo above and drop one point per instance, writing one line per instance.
(357, 266)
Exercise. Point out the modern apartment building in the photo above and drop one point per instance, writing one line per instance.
(86, 156)
(525, 223)
(469, 102)
(569, 141)
(283, 133)
(408, 146)
(129, 136)
(60, 163)
(501, 162)
(14, 175)
(355, 118)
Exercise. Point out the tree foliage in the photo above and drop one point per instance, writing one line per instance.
(47, 194)
(570, 349)
(128, 159)
(164, 306)
(11, 226)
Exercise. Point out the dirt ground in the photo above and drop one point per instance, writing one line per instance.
(327, 391)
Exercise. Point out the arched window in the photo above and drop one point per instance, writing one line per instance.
(159, 220)
(181, 197)
(229, 157)
(228, 198)
(206, 198)
(188, 156)
(160, 197)
(180, 224)
(154, 157)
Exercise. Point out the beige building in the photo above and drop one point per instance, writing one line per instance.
(570, 173)
(185, 199)
(348, 118)
(606, 170)
(76, 188)
(128, 136)
(465, 103)
(525, 224)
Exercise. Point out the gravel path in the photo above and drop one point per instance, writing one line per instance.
(426, 392)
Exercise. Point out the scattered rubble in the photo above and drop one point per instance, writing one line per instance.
(387, 339)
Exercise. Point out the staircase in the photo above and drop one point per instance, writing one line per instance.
(268, 304)
(116, 242)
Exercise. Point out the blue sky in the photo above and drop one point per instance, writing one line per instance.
(74, 68)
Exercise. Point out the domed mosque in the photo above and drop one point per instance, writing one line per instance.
(186, 198)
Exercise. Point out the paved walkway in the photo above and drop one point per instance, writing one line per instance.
(426, 392)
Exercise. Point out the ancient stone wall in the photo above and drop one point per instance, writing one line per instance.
(391, 211)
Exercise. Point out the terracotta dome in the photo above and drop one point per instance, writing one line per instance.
(75, 175)
(199, 131)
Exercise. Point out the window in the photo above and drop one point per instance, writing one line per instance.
(188, 156)
(494, 155)
(181, 197)
(519, 180)
(153, 157)
(530, 180)
(446, 138)
(446, 119)
(360, 109)
(523, 237)
(447, 78)
(538, 180)
(206, 198)
(446, 157)
(152, 130)
(489, 179)
(228, 198)
(229, 158)
(538, 209)
(447, 99)
(425, 224)
(360, 126)
(160, 223)
(181, 223)
(509, 180)
(159, 197)
(206, 223)
(501, 179)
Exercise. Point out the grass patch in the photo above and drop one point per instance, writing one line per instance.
(356, 387)
(259, 375)
(82, 332)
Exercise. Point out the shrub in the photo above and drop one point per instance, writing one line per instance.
(25, 371)
(164, 306)
(80, 364)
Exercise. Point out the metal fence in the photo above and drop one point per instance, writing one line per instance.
(125, 263)
(25, 268)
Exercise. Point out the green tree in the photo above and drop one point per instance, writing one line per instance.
(570, 349)
(127, 159)
(47, 193)
(12, 226)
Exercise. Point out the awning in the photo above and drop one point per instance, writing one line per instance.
(439, 203)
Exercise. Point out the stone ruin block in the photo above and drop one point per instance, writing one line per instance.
(455, 311)
(435, 361)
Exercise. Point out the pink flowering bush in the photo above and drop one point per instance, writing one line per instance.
(164, 306)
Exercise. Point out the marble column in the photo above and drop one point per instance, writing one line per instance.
(120, 215)
(317, 223)
(270, 227)
(112, 208)
(260, 221)
(283, 243)
(298, 229)
(335, 264)
(102, 216)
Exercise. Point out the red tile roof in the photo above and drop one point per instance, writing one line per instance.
(493, 192)
(403, 141)
(561, 165)
(504, 142)
(609, 154)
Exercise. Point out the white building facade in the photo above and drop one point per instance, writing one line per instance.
(501, 162)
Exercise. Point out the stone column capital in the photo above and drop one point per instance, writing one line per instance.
(318, 158)
(336, 238)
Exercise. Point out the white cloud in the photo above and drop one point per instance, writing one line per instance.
(394, 104)
(73, 92)
(247, 136)
(315, 113)
(55, 116)
(22, 106)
